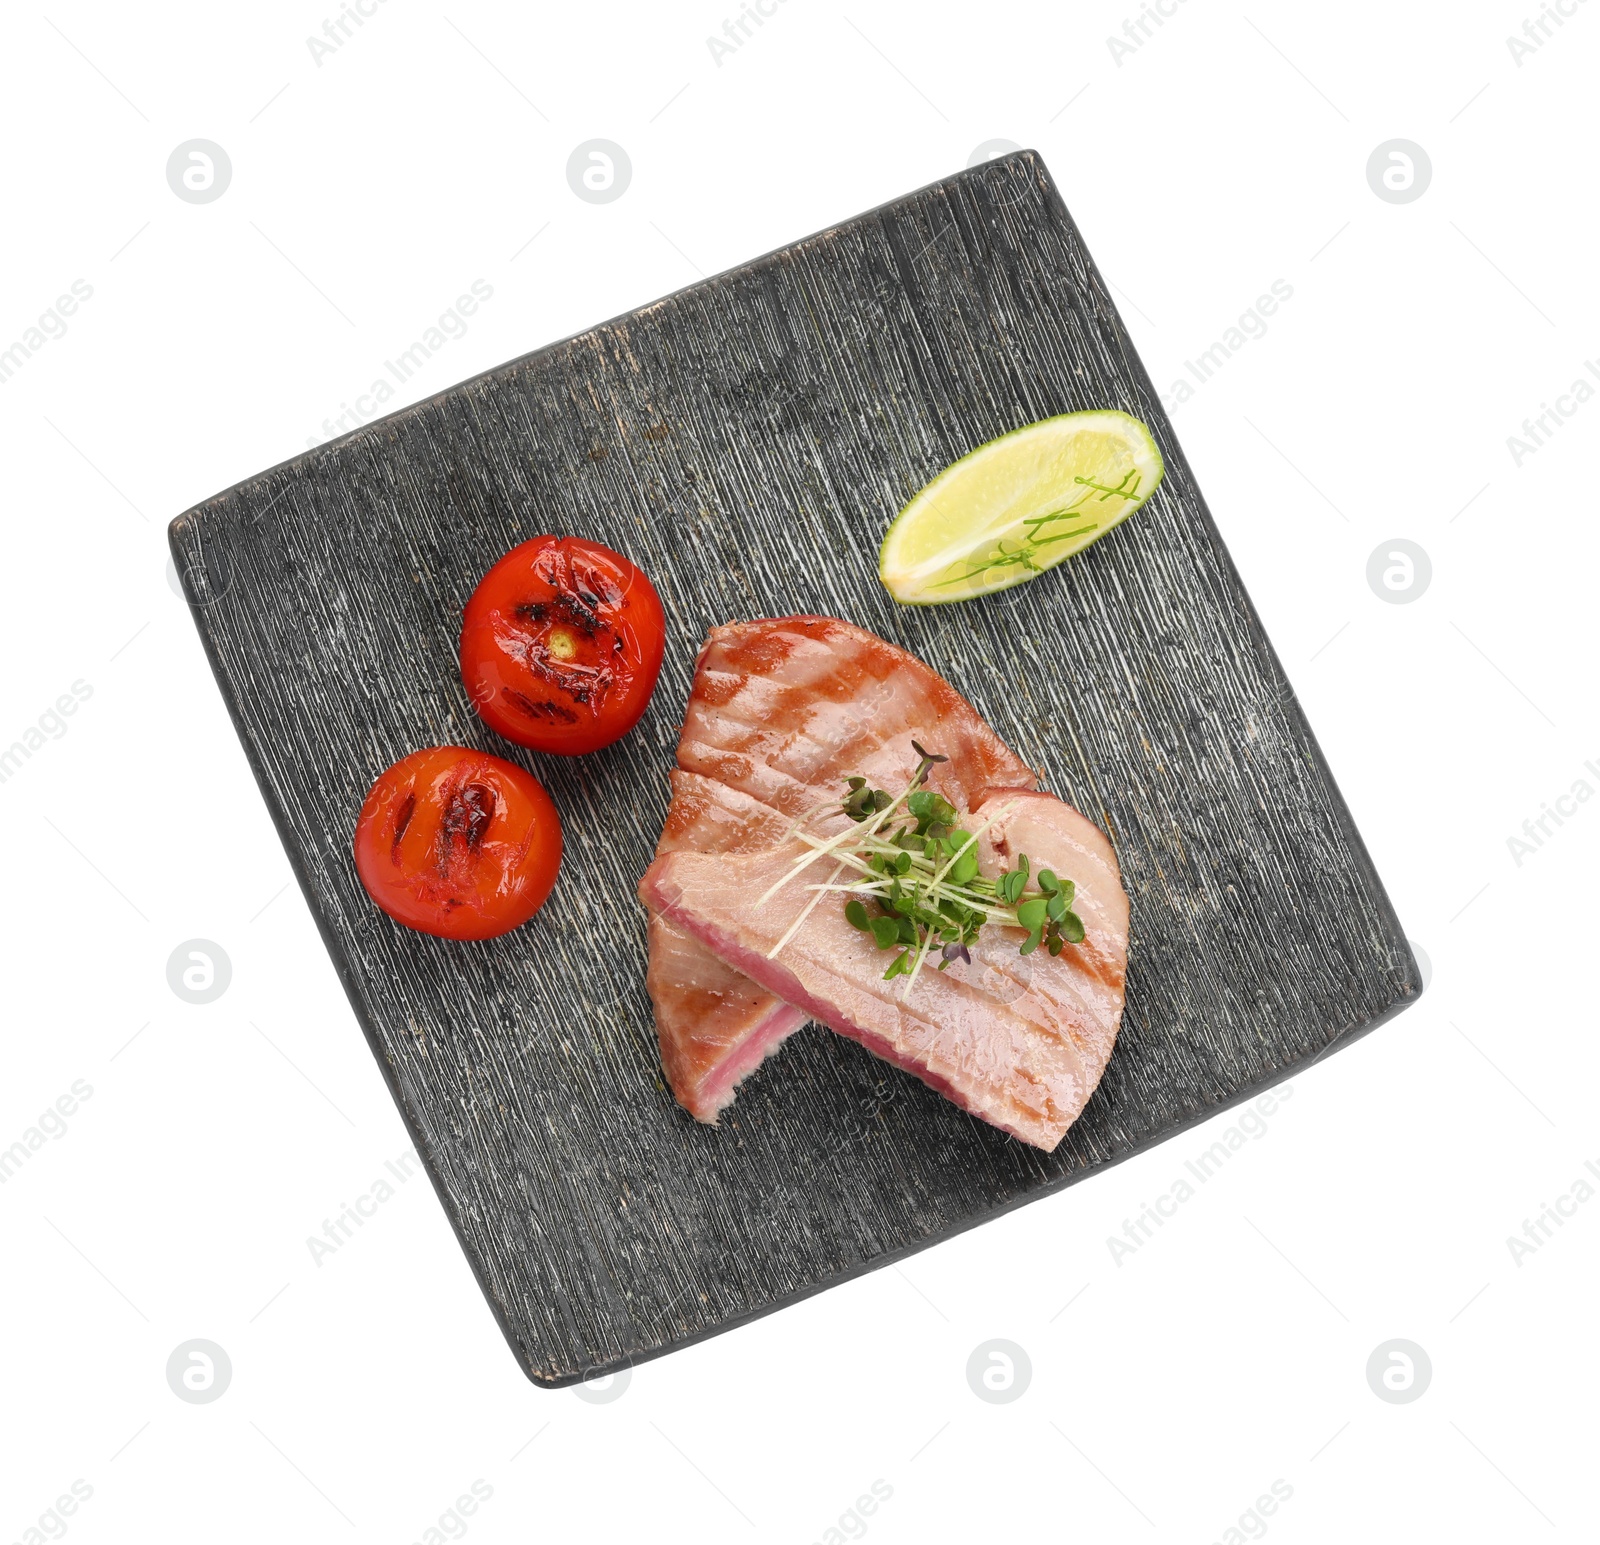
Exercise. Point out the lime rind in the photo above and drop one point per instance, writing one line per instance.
(1018, 506)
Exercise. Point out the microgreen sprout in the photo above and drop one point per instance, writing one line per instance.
(1026, 552)
(916, 887)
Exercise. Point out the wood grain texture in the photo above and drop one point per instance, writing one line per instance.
(747, 441)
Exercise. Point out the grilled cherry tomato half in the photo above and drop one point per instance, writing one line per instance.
(561, 644)
(458, 843)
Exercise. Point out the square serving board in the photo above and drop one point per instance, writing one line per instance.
(747, 441)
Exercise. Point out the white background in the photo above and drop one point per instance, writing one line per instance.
(1227, 151)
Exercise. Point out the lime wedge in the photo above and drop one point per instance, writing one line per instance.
(1018, 506)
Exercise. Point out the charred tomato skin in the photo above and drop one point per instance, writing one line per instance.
(458, 843)
(561, 644)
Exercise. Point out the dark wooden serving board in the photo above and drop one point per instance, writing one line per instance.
(747, 441)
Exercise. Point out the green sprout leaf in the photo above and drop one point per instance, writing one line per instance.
(856, 914)
(931, 808)
(1031, 914)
